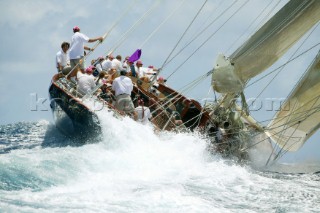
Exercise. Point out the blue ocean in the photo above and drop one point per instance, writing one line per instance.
(133, 169)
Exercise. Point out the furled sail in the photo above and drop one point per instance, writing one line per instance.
(266, 46)
(299, 116)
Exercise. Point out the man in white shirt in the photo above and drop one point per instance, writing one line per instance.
(145, 73)
(99, 63)
(77, 48)
(107, 64)
(140, 70)
(143, 113)
(123, 87)
(86, 82)
(63, 59)
(117, 64)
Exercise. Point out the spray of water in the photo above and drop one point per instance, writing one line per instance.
(134, 169)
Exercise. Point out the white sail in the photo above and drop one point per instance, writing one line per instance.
(299, 117)
(266, 46)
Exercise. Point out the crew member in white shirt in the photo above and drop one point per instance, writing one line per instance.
(99, 63)
(123, 87)
(107, 64)
(117, 64)
(143, 113)
(86, 82)
(77, 48)
(63, 60)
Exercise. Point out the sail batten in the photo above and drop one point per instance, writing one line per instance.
(299, 117)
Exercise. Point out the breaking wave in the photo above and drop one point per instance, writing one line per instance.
(134, 169)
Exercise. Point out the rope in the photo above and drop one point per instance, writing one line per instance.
(270, 33)
(153, 32)
(189, 86)
(282, 68)
(300, 118)
(132, 28)
(202, 108)
(269, 120)
(280, 151)
(256, 19)
(276, 133)
(304, 52)
(207, 39)
(197, 36)
(194, 18)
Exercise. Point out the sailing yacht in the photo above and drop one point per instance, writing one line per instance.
(227, 122)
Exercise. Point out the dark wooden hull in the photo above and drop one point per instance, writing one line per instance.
(71, 116)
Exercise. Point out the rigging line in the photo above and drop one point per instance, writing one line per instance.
(202, 108)
(189, 86)
(276, 75)
(283, 117)
(159, 26)
(207, 19)
(197, 36)
(266, 16)
(273, 134)
(194, 18)
(299, 122)
(300, 107)
(200, 78)
(281, 135)
(260, 141)
(208, 39)
(133, 27)
(289, 61)
(120, 18)
(284, 152)
(112, 27)
(305, 72)
(304, 115)
(251, 24)
(291, 124)
(269, 34)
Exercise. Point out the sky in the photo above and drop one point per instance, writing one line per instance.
(33, 30)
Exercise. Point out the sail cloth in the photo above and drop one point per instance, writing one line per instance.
(299, 116)
(266, 46)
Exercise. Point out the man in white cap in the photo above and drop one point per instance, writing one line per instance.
(77, 48)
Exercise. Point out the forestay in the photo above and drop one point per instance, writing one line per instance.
(266, 46)
(299, 117)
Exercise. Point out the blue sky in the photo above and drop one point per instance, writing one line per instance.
(32, 31)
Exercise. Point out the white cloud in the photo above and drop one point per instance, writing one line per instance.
(17, 13)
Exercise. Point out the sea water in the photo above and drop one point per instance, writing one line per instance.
(134, 169)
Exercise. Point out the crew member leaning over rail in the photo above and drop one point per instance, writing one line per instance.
(77, 48)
